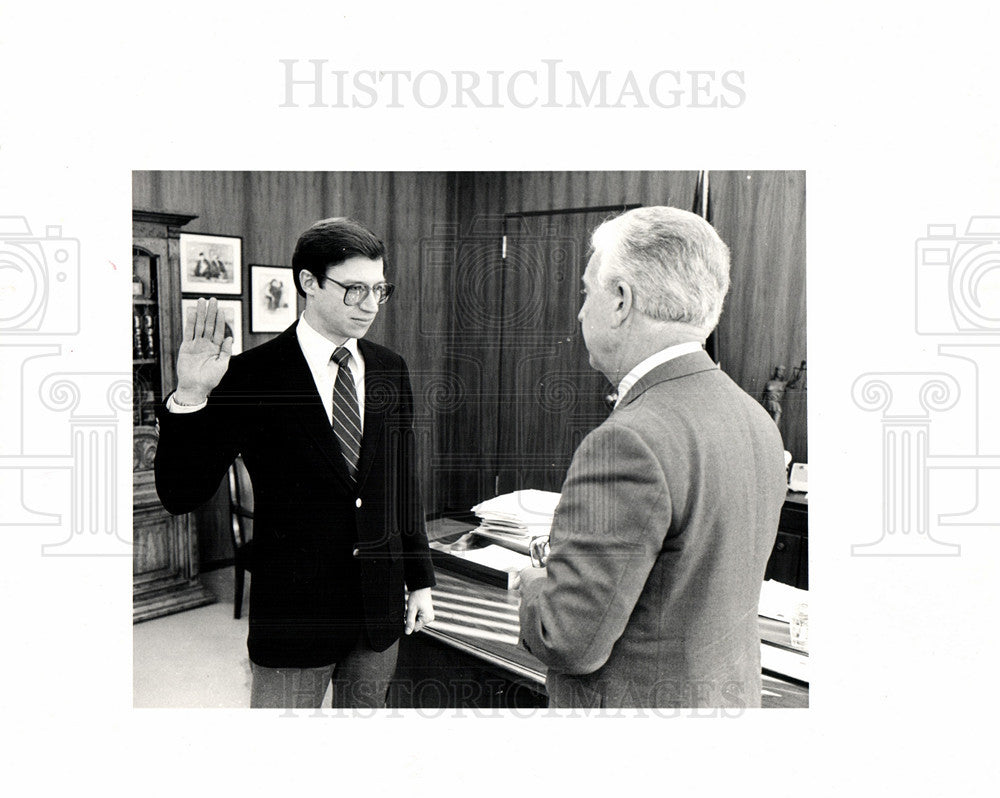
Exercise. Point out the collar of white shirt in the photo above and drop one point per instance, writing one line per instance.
(318, 352)
(318, 349)
(651, 362)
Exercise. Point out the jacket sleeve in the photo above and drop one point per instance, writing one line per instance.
(417, 568)
(607, 532)
(195, 449)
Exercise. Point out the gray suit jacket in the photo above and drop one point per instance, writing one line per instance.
(658, 549)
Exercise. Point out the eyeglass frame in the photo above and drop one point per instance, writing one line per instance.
(348, 287)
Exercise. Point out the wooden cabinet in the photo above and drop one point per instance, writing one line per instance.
(165, 547)
(789, 561)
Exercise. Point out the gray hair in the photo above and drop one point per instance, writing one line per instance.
(675, 262)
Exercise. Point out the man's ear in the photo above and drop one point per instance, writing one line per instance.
(308, 282)
(623, 303)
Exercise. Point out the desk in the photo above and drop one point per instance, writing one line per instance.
(469, 657)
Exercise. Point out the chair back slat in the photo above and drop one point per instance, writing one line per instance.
(240, 502)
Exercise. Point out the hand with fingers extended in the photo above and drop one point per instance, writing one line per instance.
(204, 354)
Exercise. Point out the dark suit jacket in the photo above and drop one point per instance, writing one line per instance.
(658, 548)
(329, 559)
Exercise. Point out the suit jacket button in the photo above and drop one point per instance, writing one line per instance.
(357, 503)
(356, 552)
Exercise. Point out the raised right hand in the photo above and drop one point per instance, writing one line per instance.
(204, 354)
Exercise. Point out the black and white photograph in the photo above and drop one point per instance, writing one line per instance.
(273, 304)
(548, 399)
(232, 311)
(210, 264)
(521, 340)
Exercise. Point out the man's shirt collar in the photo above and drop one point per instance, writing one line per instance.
(317, 348)
(651, 362)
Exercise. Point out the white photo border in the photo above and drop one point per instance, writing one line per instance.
(193, 282)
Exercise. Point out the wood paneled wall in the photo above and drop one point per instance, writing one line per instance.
(269, 210)
(443, 236)
(762, 217)
(480, 438)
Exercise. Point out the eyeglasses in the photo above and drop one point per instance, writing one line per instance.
(356, 293)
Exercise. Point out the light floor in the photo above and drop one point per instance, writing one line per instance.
(196, 658)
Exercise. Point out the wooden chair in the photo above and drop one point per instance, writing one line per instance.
(241, 510)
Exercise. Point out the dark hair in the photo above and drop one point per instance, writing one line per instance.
(332, 241)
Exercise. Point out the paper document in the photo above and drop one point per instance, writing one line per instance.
(495, 557)
(523, 513)
(780, 601)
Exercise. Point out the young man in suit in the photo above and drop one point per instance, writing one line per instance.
(670, 507)
(324, 422)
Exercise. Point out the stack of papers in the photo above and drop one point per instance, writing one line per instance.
(512, 520)
(780, 601)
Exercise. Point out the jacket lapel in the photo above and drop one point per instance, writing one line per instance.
(377, 390)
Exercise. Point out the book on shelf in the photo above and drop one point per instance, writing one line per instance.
(149, 335)
(136, 336)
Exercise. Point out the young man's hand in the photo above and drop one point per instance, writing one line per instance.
(204, 354)
(419, 610)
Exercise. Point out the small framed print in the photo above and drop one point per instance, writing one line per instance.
(272, 298)
(211, 264)
(232, 310)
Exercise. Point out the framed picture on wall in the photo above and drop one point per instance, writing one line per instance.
(211, 264)
(272, 298)
(232, 309)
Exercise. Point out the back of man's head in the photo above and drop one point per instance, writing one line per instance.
(675, 262)
(329, 242)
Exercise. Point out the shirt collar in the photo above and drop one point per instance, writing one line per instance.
(317, 348)
(651, 362)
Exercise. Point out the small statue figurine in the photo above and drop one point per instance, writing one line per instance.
(774, 390)
(798, 379)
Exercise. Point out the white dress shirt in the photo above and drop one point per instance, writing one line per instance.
(651, 362)
(318, 352)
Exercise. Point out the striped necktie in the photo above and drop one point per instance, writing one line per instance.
(346, 419)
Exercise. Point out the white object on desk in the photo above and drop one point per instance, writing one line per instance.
(798, 480)
(791, 605)
(787, 663)
(523, 513)
(780, 601)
